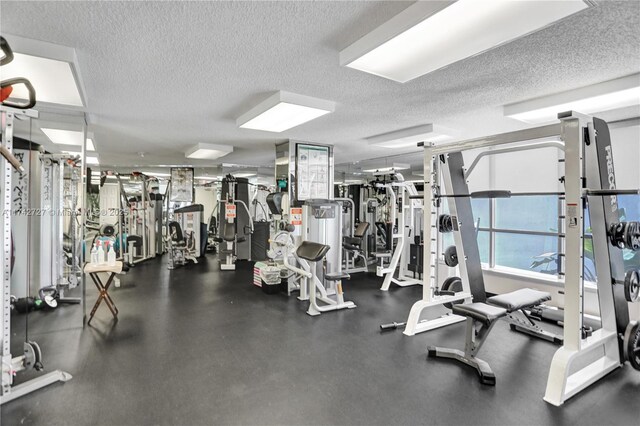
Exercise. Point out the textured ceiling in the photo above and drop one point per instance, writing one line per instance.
(162, 76)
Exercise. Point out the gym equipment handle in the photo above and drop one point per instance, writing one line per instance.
(32, 92)
(6, 49)
(11, 159)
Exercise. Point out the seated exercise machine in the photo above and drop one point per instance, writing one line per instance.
(181, 248)
(307, 255)
(229, 239)
(586, 355)
(352, 246)
(405, 206)
(317, 267)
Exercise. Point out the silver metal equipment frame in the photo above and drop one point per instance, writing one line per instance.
(401, 252)
(11, 365)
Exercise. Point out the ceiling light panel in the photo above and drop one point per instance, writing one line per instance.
(429, 35)
(405, 138)
(67, 137)
(52, 80)
(244, 174)
(283, 111)
(393, 168)
(91, 160)
(52, 69)
(619, 93)
(206, 151)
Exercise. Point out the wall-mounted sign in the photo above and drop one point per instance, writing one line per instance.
(181, 185)
(230, 211)
(312, 175)
(295, 216)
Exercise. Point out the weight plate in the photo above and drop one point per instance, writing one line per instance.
(451, 256)
(632, 344)
(445, 223)
(452, 284)
(632, 285)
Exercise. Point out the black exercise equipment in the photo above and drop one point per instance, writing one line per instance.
(6, 86)
(445, 223)
(632, 344)
(311, 251)
(450, 287)
(7, 52)
(274, 202)
(632, 286)
(625, 235)
(451, 256)
(50, 296)
(481, 317)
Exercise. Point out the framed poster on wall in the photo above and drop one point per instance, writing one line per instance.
(181, 185)
(312, 172)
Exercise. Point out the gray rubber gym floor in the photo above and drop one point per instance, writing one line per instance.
(200, 346)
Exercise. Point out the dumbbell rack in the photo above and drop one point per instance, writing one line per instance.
(11, 365)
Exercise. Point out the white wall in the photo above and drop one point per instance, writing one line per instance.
(207, 196)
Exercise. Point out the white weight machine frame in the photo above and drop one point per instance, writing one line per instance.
(577, 133)
(401, 253)
(11, 365)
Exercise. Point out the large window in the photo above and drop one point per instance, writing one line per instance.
(523, 233)
(520, 233)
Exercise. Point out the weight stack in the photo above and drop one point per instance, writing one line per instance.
(259, 241)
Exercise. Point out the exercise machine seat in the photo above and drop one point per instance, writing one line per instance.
(312, 252)
(228, 232)
(175, 230)
(137, 239)
(482, 312)
(519, 299)
(353, 243)
(337, 276)
(361, 229)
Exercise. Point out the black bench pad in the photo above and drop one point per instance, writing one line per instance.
(312, 251)
(337, 276)
(519, 299)
(479, 311)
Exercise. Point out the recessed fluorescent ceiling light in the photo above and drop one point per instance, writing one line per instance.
(154, 174)
(410, 137)
(92, 160)
(284, 110)
(50, 69)
(68, 137)
(244, 174)
(613, 94)
(388, 169)
(427, 35)
(207, 151)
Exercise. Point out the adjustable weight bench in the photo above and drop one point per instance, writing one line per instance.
(481, 317)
